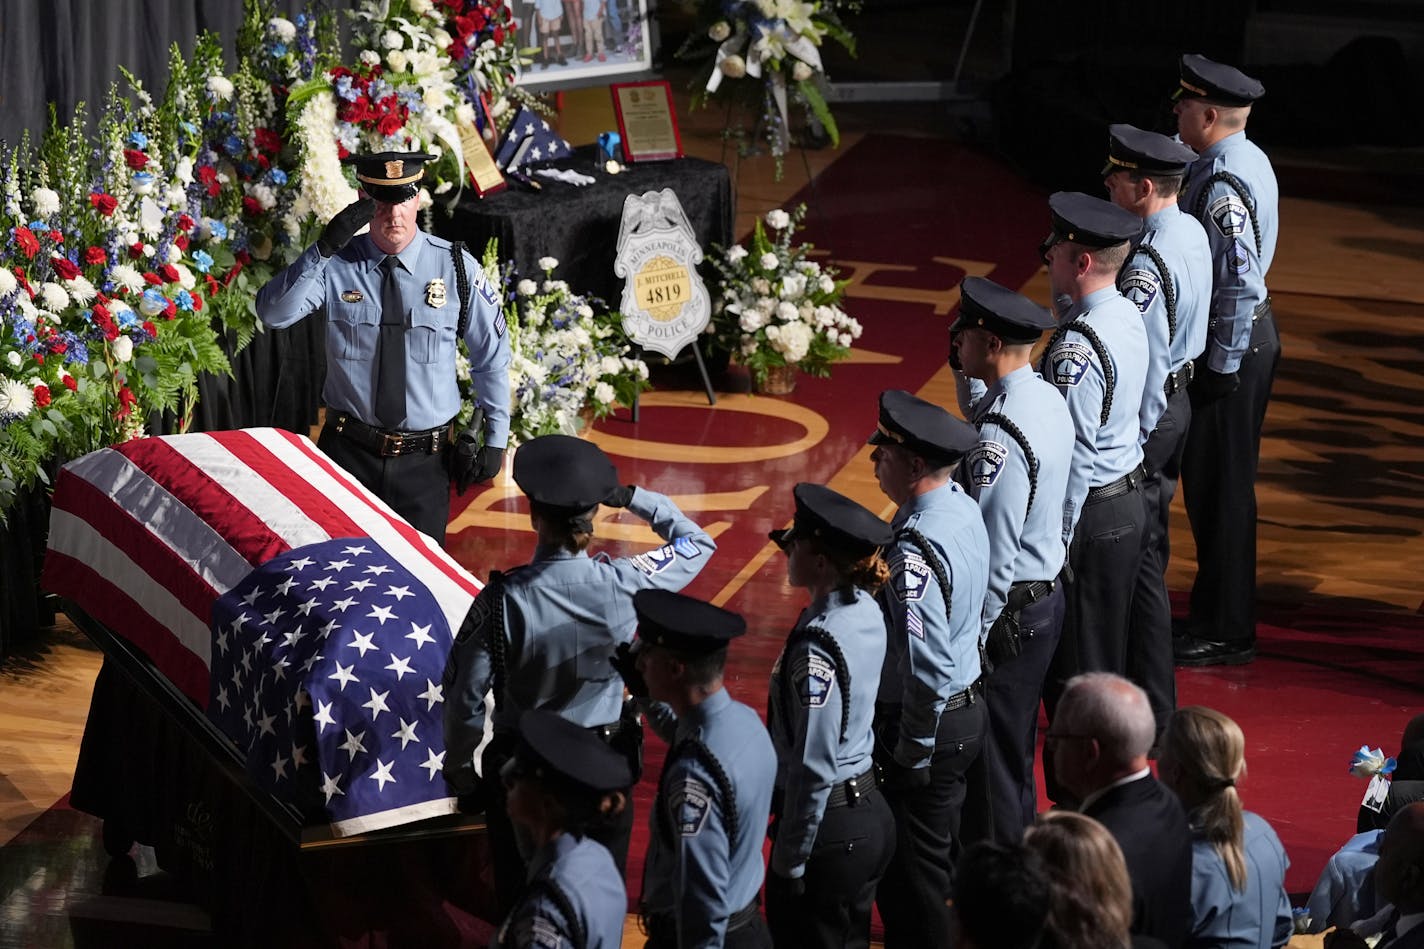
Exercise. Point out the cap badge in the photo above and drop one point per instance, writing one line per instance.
(394, 169)
(435, 293)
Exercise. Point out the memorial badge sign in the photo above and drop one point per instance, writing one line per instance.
(665, 303)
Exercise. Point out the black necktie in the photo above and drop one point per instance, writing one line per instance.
(390, 355)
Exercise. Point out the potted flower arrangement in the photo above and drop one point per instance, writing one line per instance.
(779, 311)
(571, 362)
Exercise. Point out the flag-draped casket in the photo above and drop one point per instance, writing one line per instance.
(307, 620)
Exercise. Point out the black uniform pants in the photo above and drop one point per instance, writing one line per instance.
(416, 486)
(852, 849)
(1011, 696)
(912, 893)
(1149, 638)
(1219, 486)
(750, 934)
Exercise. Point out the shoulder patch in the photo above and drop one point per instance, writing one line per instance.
(545, 933)
(985, 462)
(914, 623)
(477, 618)
(1229, 215)
(686, 547)
(656, 561)
(1141, 287)
(689, 804)
(1070, 362)
(813, 676)
(1237, 258)
(910, 575)
(499, 325)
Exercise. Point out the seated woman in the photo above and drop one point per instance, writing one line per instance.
(834, 832)
(1090, 901)
(1238, 863)
(561, 782)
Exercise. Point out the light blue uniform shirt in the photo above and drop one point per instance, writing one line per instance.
(1258, 917)
(1102, 453)
(1025, 544)
(931, 653)
(564, 615)
(694, 872)
(348, 286)
(1179, 240)
(1239, 270)
(584, 872)
(808, 696)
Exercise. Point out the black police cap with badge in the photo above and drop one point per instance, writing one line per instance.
(1216, 83)
(565, 476)
(552, 747)
(835, 522)
(684, 624)
(1135, 150)
(1088, 221)
(390, 177)
(1011, 316)
(922, 428)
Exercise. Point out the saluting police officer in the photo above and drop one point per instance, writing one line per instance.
(704, 867)
(833, 831)
(542, 635)
(1018, 472)
(562, 782)
(1168, 276)
(397, 300)
(1098, 359)
(1231, 189)
(930, 721)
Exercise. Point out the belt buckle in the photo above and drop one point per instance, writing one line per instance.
(391, 445)
(854, 788)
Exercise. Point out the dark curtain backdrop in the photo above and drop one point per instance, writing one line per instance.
(69, 51)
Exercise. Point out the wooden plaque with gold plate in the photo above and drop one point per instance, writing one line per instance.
(484, 173)
(646, 120)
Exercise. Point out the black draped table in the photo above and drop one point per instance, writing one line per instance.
(578, 226)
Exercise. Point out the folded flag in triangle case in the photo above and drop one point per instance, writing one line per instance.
(530, 141)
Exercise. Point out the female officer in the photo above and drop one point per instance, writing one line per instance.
(834, 833)
(561, 782)
(541, 636)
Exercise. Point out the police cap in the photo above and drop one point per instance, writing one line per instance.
(922, 428)
(563, 472)
(389, 177)
(550, 744)
(1133, 149)
(684, 624)
(837, 523)
(1090, 221)
(1011, 316)
(1217, 83)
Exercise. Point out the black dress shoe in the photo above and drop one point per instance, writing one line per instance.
(1190, 651)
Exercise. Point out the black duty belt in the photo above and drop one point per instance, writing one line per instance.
(960, 699)
(849, 793)
(1178, 379)
(1024, 592)
(390, 444)
(1263, 309)
(605, 732)
(1113, 489)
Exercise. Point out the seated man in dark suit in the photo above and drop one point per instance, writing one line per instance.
(1098, 748)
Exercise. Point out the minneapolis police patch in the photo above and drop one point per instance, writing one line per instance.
(690, 803)
(1141, 287)
(1070, 363)
(656, 561)
(1228, 214)
(985, 462)
(910, 577)
(813, 677)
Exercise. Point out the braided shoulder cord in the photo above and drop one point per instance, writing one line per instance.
(823, 638)
(1109, 377)
(1004, 422)
(699, 751)
(494, 635)
(546, 886)
(1169, 289)
(462, 286)
(942, 578)
(1244, 193)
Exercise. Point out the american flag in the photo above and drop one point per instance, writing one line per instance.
(171, 541)
(544, 143)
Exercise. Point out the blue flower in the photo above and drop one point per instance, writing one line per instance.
(184, 299)
(202, 260)
(138, 140)
(232, 145)
(279, 50)
(277, 176)
(127, 318)
(344, 90)
(217, 228)
(189, 127)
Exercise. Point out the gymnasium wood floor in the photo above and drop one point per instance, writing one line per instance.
(1340, 483)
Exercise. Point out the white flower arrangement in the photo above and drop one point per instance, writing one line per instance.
(776, 306)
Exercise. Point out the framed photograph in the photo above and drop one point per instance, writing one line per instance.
(646, 120)
(584, 42)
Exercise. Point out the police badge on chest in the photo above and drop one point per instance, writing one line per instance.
(435, 293)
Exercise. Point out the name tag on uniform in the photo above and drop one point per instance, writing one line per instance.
(352, 296)
(435, 293)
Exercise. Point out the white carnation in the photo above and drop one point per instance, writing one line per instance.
(283, 29)
(761, 285)
(526, 288)
(603, 393)
(184, 171)
(13, 358)
(46, 201)
(175, 253)
(768, 261)
(547, 264)
(751, 321)
(736, 253)
(175, 196)
(778, 219)
(392, 39)
(53, 297)
(127, 277)
(827, 284)
(786, 312)
(610, 366)
(846, 339)
(464, 114)
(185, 276)
(793, 285)
(585, 311)
(8, 283)
(793, 341)
(220, 88)
(122, 348)
(16, 398)
(370, 57)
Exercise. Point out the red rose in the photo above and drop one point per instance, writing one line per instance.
(181, 241)
(96, 256)
(58, 346)
(197, 302)
(213, 285)
(153, 278)
(136, 159)
(65, 269)
(251, 205)
(214, 190)
(267, 141)
(103, 203)
(169, 273)
(56, 236)
(207, 174)
(390, 124)
(29, 244)
(41, 395)
(170, 311)
(136, 251)
(499, 36)
(263, 162)
(185, 223)
(70, 383)
(149, 328)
